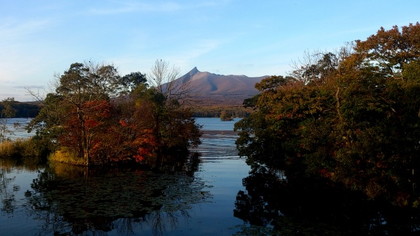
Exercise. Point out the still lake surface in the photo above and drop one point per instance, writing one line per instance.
(63, 200)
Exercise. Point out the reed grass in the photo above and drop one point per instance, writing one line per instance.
(65, 155)
(31, 148)
(22, 148)
(7, 149)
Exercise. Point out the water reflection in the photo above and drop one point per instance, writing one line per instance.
(275, 206)
(17, 127)
(9, 188)
(77, 200)
(7, 192)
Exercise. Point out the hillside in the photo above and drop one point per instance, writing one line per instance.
(205, 88)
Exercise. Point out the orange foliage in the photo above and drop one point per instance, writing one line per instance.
(123, 123)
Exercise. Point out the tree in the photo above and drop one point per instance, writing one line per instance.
(70, 115)
(7, 111)
(132, 81)
(162, 73)
(163, 77)
(166, 126)
(317, 66)
(97, 117)
(390, 51)
(86, 90)
(356, 123)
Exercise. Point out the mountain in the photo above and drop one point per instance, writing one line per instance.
(213, 89)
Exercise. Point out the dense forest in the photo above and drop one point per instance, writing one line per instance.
(350, 118)
(20, 109)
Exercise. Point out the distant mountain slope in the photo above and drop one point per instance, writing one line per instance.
(213, 89)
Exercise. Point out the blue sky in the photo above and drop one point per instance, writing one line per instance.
(41, 38)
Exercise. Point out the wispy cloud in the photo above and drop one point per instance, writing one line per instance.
(122, 7)
(19, 44)
(12, 30)
(129, 7)
(30, 87)
(183, 57)
(188, 57)
(201, 48)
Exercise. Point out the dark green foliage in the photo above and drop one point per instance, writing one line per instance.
(7, 110)
(132, 80)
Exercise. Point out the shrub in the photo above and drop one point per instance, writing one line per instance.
(65, 155)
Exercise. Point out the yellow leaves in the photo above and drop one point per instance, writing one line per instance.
(138, 103)
(374, 189)
(402, 199)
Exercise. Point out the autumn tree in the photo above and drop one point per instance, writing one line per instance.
(155, 127)
(73, 113)
(354, 122)
(97, 116)
(391, 51)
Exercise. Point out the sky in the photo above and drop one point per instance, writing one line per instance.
(40, 39)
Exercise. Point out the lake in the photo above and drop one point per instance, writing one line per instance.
(17, 125)
(64, 200)
(216, 194)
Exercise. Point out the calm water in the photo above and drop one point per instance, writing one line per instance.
(17, 125)
(61, 200)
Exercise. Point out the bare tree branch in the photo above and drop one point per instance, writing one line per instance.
(164, 78)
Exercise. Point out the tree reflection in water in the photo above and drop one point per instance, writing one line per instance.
(7, 196)
(8, 187)
(279, 206)
(76, 200)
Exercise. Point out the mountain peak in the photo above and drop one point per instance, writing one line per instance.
(188, 76)
(210, 88)
(193, 71)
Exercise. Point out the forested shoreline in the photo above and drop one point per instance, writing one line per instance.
(22, 109)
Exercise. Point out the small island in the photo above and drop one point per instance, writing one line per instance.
(224, 116)
(97, 117)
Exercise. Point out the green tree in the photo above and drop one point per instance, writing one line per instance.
(131, 81)
(7, 111)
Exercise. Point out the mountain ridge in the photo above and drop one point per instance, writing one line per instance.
(208, 88)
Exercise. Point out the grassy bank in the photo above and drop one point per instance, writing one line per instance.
(30, 148)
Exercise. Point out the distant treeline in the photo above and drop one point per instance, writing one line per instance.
(31, 109)
(24, 109)
(216, 111)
